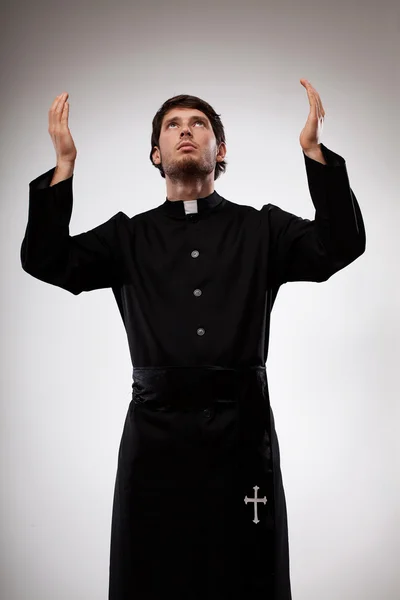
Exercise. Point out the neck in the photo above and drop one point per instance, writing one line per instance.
(189, 190)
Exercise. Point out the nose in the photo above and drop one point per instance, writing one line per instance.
(185, 130)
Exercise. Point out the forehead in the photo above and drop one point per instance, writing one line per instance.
(183, 113)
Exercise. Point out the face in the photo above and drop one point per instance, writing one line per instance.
(191, 125)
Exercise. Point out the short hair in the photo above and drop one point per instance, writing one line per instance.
(186, 101)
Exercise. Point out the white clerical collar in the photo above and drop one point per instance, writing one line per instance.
(190, 206)
(180, 209)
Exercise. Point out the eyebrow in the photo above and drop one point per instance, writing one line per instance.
(179, 119)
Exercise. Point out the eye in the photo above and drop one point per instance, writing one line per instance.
(198, 121)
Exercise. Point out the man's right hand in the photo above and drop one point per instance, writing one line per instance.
(60, 133)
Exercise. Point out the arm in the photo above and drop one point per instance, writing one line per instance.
(317, 155)
(84, 262)
(304, 250)
(61, 173)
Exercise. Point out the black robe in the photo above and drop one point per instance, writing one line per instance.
(199, 446)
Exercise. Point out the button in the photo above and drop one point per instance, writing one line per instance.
(197, 292)
(195, 253)
(201, 331)
(207, 412)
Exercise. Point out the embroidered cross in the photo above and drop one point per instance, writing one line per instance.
(255, 500)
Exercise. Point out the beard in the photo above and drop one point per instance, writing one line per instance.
(188, 167)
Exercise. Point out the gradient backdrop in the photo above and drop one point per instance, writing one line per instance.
(333, 374)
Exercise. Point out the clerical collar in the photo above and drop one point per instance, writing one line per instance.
(181, 208)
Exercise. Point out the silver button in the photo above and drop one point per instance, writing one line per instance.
(197, 292)
(201, 331)
(195, 253)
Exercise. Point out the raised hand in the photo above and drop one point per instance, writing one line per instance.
(59, 131)
(311, 134)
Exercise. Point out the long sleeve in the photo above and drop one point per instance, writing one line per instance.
(83, 262)
(304, 250)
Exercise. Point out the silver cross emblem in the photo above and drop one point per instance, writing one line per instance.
(255, 500)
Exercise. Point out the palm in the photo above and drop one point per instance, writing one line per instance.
(311, 133)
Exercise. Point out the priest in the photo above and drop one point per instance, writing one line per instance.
(199, 508)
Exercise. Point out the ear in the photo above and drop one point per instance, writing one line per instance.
(221, 152)
(156, 156)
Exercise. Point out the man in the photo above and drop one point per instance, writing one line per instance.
(199, 507)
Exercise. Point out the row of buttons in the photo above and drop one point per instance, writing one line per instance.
(200, 331)
(197, 292)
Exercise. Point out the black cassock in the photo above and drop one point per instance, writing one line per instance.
(199, 506)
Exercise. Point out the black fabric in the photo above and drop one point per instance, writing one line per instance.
(195, 293)
(195, 443)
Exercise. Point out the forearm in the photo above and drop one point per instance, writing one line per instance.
(316, 154)
(62, 172)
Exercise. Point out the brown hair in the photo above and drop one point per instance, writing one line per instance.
(185, 101)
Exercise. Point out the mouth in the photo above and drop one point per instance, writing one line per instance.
(187, 147)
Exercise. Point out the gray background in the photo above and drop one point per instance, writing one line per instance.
(334, 353)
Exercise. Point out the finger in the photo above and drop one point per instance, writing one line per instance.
(65, 112)
(55, 101)
(313, 101)
(52, 109)
(310, 93)
(57, 112)
(318, 110)
(52, 118)
(61, 102)
(321, 111)
(321, 106)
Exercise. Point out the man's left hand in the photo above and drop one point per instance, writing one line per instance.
(311, 134)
